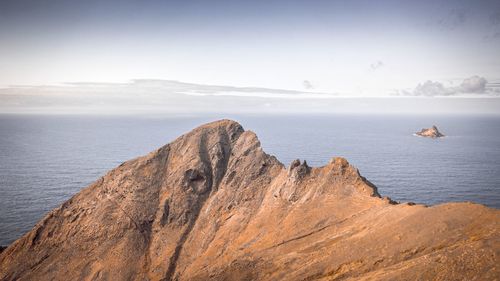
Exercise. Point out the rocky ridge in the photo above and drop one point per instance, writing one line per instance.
(212, 205)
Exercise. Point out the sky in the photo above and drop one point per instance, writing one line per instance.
(332, 48)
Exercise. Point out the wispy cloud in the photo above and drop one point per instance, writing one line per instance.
(307, 85)
(146, 95)
(172, 97)
(376, 65)
(495, 18)
(455, 18)
(493, 30)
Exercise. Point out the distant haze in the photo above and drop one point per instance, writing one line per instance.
(166, 97)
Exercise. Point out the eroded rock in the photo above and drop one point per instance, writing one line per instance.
(212, 205)
(432, 132)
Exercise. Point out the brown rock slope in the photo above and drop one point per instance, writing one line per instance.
(213, 206)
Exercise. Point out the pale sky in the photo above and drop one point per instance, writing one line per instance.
(302, 54)
(358, 47)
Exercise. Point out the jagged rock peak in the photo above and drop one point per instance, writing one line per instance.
(212, 205)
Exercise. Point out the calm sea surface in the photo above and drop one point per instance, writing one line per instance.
(44, 160)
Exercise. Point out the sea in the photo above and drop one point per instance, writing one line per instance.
(45, 159)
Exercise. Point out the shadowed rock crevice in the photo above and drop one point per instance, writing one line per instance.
(214, 162)
(212, 205)
(166, 210)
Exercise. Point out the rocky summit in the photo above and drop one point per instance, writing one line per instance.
(212, 205)
(430, 133)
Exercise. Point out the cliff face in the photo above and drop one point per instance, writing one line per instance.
(212, 205)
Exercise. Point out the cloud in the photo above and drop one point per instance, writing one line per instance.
(430, 88)
(453, 19)
(493, 31)
(149, 96)
(474, 85)
(376, 65)
(495, 18)
(307, 84)
(152, 97)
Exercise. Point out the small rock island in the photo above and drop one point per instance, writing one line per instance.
(430, 133)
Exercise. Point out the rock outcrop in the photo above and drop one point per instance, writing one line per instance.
(430, 133)
(212, 205)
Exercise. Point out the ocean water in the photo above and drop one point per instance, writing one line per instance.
(44, 160)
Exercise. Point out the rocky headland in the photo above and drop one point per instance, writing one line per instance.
(212, 205)
(432, 132)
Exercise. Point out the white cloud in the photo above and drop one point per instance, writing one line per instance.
(376, 65)
(307, 84)
(474, 85)
(147, 96)
(172, 97)
(430, 88)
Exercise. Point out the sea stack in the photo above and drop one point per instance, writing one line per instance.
(430, 133)
(212, 205)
